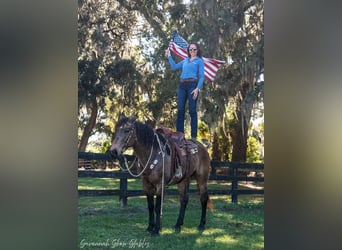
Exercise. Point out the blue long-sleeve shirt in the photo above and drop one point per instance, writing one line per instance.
(190, 69)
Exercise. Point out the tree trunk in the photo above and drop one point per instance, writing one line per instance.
(216, 153)
(247, 96)
(89, 127)
(225, 145)
(239, 135)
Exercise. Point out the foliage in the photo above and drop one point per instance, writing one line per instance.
(123, 66)
(253, 150)
(103, 30)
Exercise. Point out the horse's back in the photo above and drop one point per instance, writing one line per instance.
(200, 162)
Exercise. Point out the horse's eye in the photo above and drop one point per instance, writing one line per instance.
(126, 130)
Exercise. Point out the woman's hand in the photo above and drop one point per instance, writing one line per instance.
(195, 93)
(167, 52)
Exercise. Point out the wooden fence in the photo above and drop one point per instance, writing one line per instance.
(234, 176)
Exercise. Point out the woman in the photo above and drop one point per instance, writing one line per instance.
(191, 80)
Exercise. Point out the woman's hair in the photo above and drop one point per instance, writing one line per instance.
(199, 53)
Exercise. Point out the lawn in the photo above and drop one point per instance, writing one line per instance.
(103, 224)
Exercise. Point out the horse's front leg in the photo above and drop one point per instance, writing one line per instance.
(183, 190)
(150, 205)
(157, 227)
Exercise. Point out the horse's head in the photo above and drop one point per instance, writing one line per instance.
(124, 136)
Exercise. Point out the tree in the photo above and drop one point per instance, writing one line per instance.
(89, 89)
(136, 77)
(103, 29)
(231, 29)
(248, 54)
(225, 29)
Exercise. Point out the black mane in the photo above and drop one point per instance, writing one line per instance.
(145, 135)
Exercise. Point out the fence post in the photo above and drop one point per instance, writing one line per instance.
(213, 170)
(123, 192)
(234, 186)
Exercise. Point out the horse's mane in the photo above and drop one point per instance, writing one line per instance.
(144, 132)
(145, 135)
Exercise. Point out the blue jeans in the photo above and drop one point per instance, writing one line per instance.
(183, 94)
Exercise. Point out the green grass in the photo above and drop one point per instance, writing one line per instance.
(103, 224)
(107, 183)
(134, 184)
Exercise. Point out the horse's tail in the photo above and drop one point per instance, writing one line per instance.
(210, 205)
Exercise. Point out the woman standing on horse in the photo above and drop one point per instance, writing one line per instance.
(191, 80)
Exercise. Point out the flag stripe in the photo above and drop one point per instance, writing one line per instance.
(179, 46)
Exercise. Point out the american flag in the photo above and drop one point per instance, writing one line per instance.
(179, 46)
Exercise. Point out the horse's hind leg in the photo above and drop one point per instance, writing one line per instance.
(183, 190)
(204, 201)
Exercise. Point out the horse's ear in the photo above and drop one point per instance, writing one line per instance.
(122, 116)
(134, 118)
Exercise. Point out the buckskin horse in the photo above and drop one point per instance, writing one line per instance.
(155, 156)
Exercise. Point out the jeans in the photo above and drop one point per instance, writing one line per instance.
(183, 94)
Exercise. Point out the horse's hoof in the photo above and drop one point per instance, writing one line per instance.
(201, 228)
(177, 229)
(154, 233)
(150, 229)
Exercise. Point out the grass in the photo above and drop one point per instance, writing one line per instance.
(103, 224)
(134, 184)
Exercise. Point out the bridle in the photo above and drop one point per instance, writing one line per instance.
(132, 134)
(162, 152)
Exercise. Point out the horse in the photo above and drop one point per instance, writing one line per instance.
(154, 166)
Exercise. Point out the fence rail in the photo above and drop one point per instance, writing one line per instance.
(124, 193)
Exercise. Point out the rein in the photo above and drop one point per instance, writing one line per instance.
(162, 193)
(128, 168)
